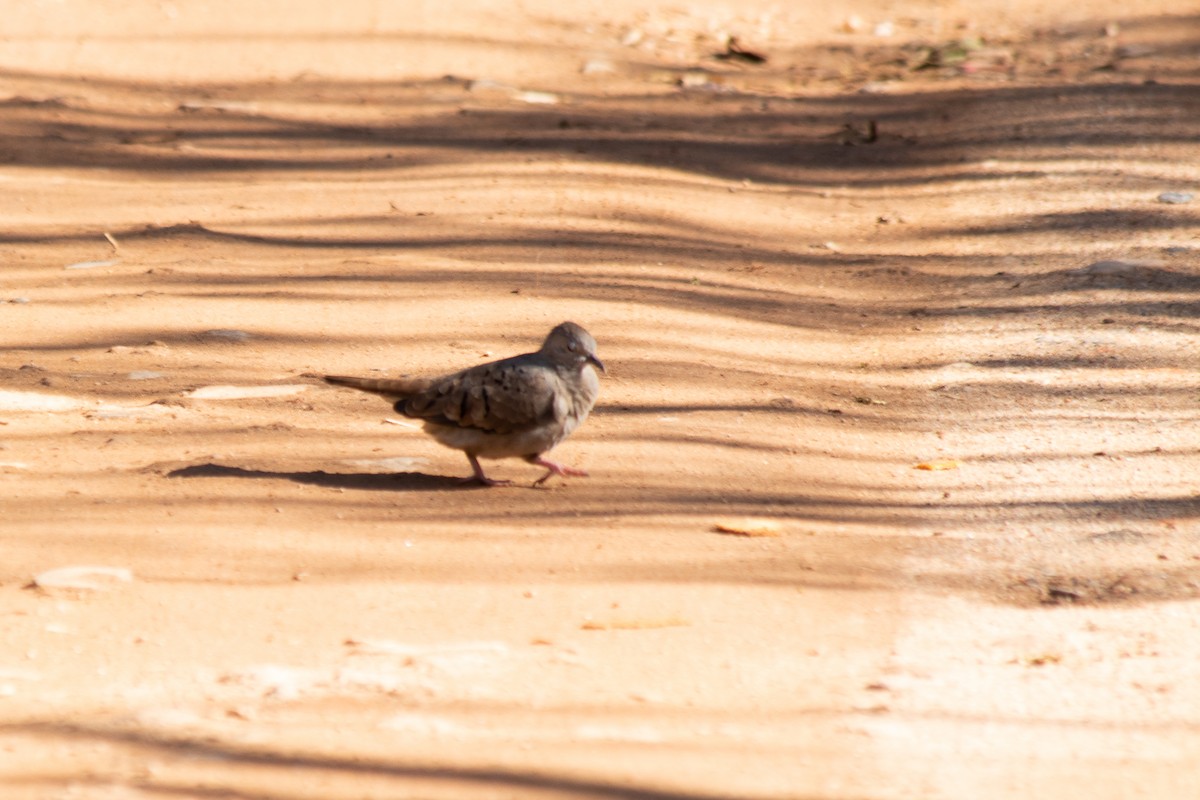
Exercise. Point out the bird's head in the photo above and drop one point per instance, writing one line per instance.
(572, 345)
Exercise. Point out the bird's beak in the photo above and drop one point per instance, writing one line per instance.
(598, 363)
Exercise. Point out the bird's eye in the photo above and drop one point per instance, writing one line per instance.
(571, 346)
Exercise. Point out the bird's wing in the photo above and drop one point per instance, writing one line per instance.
(501, 397)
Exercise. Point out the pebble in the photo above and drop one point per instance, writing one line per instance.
(91, 578)
(143, 375)
(93, 264)
(598, 66)
(695, 80)
(537, 98)
(1175, 198)
(633, 37)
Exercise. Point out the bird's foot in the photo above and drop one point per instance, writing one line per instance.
(554, 468)
(479, 478)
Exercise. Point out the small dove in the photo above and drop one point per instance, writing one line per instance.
(516, 407)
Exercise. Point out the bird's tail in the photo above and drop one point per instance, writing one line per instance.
(392, 388)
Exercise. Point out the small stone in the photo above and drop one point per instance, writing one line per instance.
(143, 375)
(1175, 198)
(695, 80)
(93, 264)
(853, 24)
(89, 578)
(633, 37)
(598, 66)
(537, 98)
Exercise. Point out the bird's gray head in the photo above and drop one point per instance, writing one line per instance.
(570, 344)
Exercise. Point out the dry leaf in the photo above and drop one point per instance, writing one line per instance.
(748, 526)
(936, 466)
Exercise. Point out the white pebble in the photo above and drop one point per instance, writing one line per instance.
(598, 66)
(93, 264)
(537, 98)
(633, 37)
(91, 578)
(1175, 198)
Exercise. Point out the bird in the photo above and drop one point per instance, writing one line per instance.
(517, 407)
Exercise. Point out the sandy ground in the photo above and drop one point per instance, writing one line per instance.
(919, 234)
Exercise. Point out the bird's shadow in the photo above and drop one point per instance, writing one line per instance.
(389, 482)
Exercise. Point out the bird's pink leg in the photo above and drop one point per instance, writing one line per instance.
(554, 469)
(479, 477)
